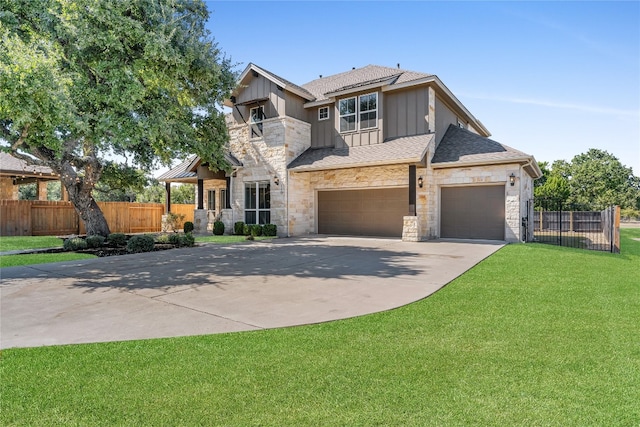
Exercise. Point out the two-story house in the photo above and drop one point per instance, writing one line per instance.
(375, 151)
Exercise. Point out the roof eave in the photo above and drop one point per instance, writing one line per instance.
(440, 85)
(357, 165)
(458, 164)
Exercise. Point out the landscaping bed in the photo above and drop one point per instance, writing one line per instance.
(121, 244)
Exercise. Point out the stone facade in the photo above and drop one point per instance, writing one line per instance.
(8, 191)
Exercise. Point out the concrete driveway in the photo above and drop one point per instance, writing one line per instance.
(214, 289)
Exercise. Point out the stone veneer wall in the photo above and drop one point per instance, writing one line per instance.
(265, 159)
(485, 175)
(8, 191)
(304, 186)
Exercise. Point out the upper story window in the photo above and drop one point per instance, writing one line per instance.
(323, 113)
(366, 109)
(256, 116)
(347, 109)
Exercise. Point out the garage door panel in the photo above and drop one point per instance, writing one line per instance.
(474, 212)
(376, 212)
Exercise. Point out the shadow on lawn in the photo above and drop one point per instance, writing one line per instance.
(219, 265)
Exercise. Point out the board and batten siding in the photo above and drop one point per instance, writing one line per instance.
(359, 137)
(322, 131)
(406, 112)
(294, 107)
(260, 88)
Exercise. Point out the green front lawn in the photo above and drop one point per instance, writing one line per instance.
(534, 335)
(13, 243)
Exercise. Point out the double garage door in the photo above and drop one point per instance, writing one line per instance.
(474, 212)
(376, 212)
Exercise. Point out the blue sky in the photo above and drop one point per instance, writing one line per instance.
(552, 79)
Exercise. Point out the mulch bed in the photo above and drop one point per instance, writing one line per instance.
(109, 250)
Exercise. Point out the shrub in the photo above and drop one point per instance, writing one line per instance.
(174, 239)
(256, 230)
(188, 227)
(117, 239)
(238, 228)
(140, 243)
(218, 228)
(187, 240)
(95, 241)
(270, 230)
(246, 230)
(171, 221)
(163, 238)
(74, 244)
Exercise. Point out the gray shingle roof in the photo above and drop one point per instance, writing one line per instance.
(410, 149)
(285, 81)
(359, 77)
(459, 146)
(184, 171)
(10, 165)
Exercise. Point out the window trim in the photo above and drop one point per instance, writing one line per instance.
(357, 114)
(328, 116)
(211, 200)
(256, 185)
(253, 124)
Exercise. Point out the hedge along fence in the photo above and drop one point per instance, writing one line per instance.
(48, 218)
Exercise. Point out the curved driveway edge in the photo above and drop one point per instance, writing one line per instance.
(223, 288)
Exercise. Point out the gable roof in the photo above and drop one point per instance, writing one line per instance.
(186, 171)
(283, 83)
(10, 165)
(359, 77)
(409, 149)
(461, 147)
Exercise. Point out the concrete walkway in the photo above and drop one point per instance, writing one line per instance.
(223, 288)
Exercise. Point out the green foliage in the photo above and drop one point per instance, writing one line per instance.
(556, 187)
(153, 193)
(164, 238)
(218, 228)
(238, 228)
(187, 239)
(256, 230)
(28, 191)
(270, 230)
(83, 80)
(119, 183)
(172, 220)
(246, 230)
(183, 194)
(140, 243)
(54, 190)
(117, 239)
(188, 227)
(630, 214)
(95, 241)
(32, 259)
(75, 244)
(11, 243)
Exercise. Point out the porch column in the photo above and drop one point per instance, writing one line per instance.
(412, 190)
(167, 200)
(200, 194)
(41, 188)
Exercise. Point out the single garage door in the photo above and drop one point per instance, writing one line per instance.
(475, 212)
(363, 212)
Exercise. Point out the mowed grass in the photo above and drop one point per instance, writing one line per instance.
(12, 243)
(534, 335)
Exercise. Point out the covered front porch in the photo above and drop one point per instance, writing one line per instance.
(213, 192)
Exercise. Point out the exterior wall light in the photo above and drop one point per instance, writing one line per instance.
(276, 180)
(512, 179)
(421, 182)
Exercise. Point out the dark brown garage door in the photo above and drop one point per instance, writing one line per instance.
(363, 212)
(472, 212)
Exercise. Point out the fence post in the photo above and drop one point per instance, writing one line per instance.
(615, 241)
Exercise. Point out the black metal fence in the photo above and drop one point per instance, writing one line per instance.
(557, 223)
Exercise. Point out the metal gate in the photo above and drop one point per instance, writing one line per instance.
(554, 222)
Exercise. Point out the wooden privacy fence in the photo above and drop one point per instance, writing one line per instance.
(48, 218)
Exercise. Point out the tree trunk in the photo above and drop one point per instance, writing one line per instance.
(79, 190)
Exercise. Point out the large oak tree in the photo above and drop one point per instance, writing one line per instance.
(86, 81)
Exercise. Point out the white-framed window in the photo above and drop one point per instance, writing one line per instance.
(256, 116)
(368, 111)
(365, 110)
(323, 113)
(347, 109)
(211, 200)
(257, 203)
(224, 199)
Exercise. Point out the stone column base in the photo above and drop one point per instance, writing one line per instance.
(200, 221)
(410, 229)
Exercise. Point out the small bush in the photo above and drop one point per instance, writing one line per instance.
(238, 228)
(188, 227)
(218, 228)
(117, 239)
(270, 230)
(246, 230)
(174, 239)
(95, 241)
(163, 238)
(74, 244)
(187, 240)
(256, 230)
(143, 243)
